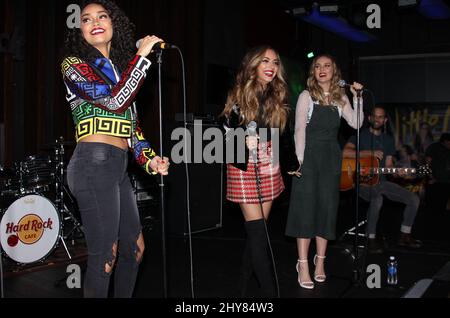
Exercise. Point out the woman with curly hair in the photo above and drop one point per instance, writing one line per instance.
(103, 76)
(259, 95)
(315, 190)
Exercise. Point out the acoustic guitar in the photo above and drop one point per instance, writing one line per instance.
(370, 172)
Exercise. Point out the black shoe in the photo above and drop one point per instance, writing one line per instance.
(374, 247)
(406, 240)
(246, 270)
(261, 259)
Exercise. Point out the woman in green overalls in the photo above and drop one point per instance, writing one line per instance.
(315, 187)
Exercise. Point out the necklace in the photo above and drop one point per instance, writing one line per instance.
(326, 93)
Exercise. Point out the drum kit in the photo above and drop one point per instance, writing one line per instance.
(37, 209)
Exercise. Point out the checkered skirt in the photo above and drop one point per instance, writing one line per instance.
(242, 186)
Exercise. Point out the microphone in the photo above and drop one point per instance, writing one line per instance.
(235, 109)
(342, 83)
(158, 45)
(251, 131)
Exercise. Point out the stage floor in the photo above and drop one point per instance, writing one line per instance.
(217, 257)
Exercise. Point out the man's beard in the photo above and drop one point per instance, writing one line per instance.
(374, 125)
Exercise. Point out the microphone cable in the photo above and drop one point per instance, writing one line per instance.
(188, 204)
(188, 193)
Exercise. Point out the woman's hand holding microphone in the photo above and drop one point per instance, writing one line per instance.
(146, 45)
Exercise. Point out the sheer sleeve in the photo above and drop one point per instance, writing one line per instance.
(350, 113)
(301, 120)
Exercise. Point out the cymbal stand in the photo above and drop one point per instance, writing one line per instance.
(22, 169)
(65, 214)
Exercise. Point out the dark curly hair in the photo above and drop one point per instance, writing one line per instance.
(122, 46)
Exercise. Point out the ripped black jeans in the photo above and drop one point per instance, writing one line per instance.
(97, 177)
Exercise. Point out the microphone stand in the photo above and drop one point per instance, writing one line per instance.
(162, 185)
(357, 265)
(356, 271)
(254, 155)
(2, 292)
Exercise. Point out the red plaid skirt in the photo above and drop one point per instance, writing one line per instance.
(241, 185)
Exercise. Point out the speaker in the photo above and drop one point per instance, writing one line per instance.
(203, 192)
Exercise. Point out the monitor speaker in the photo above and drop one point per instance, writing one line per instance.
(203, 192)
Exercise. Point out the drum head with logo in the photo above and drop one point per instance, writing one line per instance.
(29, 229)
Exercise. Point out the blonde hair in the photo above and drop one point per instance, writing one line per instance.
(317, 93)
(247, 91)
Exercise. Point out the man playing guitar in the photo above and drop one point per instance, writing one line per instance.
(377, 144)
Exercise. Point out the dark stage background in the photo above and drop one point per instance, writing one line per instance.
(406, 65)
(213, 36)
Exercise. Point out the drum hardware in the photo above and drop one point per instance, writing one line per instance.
(21, 168)
(27, 178)
(146, 200)
(30, 229)
(76, 229)
(30, 179)
(2, 292)
(61, 191)
(38, 171)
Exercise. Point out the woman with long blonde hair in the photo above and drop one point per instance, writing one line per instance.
(315, 188)
(259, 95)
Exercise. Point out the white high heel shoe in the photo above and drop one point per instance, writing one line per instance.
(306, 285)
(319, 278)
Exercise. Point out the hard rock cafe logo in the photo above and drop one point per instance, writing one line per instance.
(28, 230)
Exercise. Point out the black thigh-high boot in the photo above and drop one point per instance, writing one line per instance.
(261, 257)
(246, 270)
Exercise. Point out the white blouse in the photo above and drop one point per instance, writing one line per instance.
(303, 114)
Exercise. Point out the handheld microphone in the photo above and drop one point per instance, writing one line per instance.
(235, 109)
(158, 46)
(251, 131)
(342, 83)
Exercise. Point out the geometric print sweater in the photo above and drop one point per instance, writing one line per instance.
(103, 103)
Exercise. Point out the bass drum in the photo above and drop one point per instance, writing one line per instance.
(29, 229)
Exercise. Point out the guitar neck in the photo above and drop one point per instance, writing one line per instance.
(392, 170)
(370, 171)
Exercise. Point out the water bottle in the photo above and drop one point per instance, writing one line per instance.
(392, 278)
